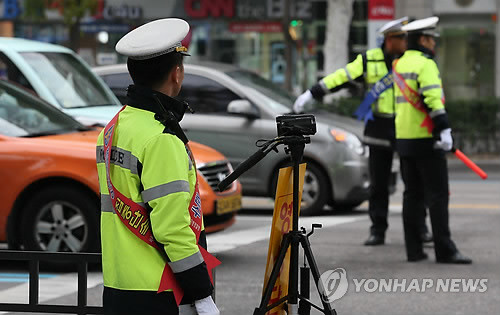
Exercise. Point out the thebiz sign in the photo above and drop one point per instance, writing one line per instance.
(9, 9)
(247, 9)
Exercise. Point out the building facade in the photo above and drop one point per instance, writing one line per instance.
(249, 33)
(468, 51)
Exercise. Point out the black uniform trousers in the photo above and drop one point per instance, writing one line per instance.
(426, 183)
(128, 302)
(380, 165)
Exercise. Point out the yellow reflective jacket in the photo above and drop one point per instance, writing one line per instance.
(421, 74)
(373, 67)
(153, 168)
(369, 67)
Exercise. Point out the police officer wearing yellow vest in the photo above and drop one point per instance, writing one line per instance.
(423, 135)
(146, 170)
(372, 68)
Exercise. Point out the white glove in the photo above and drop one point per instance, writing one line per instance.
(446, 142)
(301, 101)
(206, 306)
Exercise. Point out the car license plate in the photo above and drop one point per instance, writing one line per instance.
(229, 204)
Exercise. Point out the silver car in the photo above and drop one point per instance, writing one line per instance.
(235, 108)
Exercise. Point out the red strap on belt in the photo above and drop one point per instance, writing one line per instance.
(412, 97)
(136, 218)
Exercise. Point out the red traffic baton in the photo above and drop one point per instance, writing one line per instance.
(473, 166)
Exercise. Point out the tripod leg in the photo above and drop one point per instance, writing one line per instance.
(327, 309)
(305, 289)
(261, 310)
(297, 152)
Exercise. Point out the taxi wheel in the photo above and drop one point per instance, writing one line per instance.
(61, 219)
(315, 192)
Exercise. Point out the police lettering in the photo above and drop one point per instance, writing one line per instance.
(195, 225)
(115, 156)
(121, 207)
(196, 208)
(144, 227)
(134, 219)
(388, 80)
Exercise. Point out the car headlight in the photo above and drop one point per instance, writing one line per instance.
(349, 139)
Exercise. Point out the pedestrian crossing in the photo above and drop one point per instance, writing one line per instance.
(221, 242)
(14, 287)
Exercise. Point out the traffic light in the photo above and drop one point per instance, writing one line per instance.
(293, 29)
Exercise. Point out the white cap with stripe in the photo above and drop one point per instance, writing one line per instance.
(154, 39)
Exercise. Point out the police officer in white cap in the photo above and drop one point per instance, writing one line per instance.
(372, 68)
(153, 240)
(423, 135)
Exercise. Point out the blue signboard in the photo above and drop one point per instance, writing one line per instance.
(9, 9)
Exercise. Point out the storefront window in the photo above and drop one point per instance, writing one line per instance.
(467, 62)
(358, 36)
(56, 33)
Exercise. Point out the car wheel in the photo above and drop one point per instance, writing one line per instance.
(315, 192)
(61, 219)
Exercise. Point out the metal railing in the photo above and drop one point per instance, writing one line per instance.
(81, 260)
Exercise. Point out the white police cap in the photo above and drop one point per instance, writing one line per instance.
(393, 27)
(154, 39)
(425, 26)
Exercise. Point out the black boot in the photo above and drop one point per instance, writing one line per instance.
(426, 237)
(456, 258)
(374, 240)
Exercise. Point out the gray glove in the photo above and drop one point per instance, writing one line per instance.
(301, 101)
(446, 141)
(187, 309)
(206, 306)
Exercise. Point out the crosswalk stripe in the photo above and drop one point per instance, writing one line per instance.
(398, 208)
(20, 277)
(59, 286)
(221, 242)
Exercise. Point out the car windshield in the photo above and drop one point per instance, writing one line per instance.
(69, 81)
(24, 115)
(281, 100)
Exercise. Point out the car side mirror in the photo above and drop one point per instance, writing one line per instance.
(242, 108)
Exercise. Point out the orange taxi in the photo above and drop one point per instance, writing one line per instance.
(49, 187)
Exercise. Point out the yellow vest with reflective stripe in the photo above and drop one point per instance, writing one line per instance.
(376, 69)
(167, 182)
(422, 75)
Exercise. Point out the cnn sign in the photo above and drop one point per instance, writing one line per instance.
(206, 8)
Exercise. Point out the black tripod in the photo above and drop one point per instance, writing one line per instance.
(295, 147)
